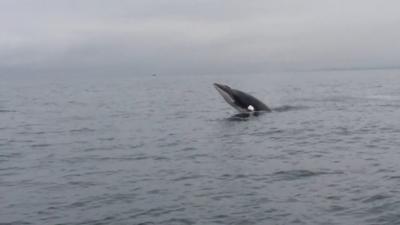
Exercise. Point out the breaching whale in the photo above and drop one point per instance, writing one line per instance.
(240, 100)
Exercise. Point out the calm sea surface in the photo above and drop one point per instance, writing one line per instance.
(165, 150)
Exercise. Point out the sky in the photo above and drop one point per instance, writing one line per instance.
(197, 36)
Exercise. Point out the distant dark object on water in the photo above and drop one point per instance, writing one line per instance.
(240, 100)
(154, 75)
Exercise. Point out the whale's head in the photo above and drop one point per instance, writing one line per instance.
(233, 98)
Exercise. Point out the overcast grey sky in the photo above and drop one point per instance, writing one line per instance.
(197, 36)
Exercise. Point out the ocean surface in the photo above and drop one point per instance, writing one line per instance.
(166, 150)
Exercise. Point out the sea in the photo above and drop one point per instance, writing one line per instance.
(167, 149)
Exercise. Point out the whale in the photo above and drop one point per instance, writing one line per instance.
(241, 101)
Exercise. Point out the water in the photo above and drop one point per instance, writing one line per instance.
(164, 150)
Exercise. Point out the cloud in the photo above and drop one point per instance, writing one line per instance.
(197, 37)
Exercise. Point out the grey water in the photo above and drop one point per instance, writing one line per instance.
(165, 149)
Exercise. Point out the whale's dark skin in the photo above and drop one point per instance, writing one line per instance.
(243, 102)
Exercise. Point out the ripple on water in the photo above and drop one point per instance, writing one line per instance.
(375, 198)
(17, 222)
(82, 130)
(300, 174)
(188, 177)
(7, 111)
(178, 221)
(40, 145)
(189, 149)
(286, 108)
